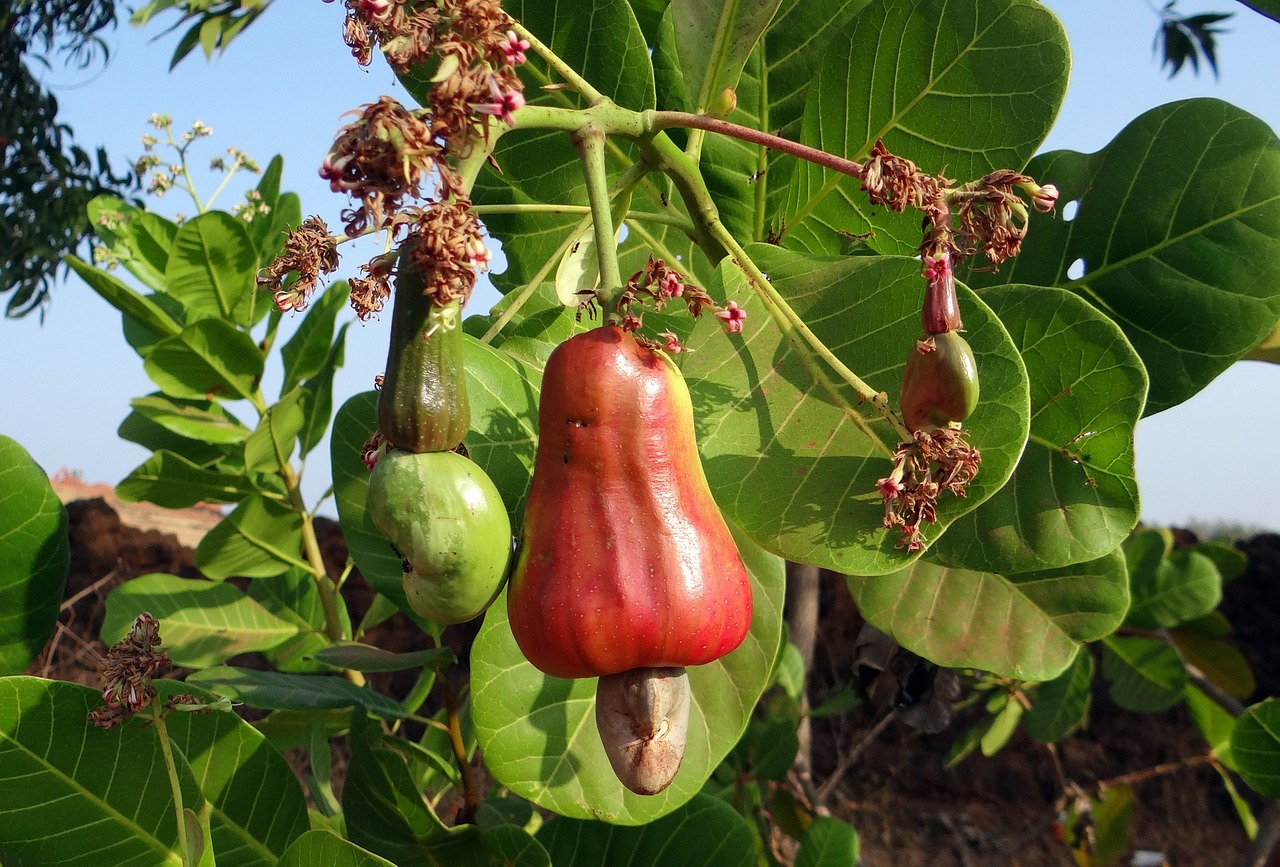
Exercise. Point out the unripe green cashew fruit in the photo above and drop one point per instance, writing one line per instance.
(940, 384)
(447, 520)
(626, 569)
(423, 405)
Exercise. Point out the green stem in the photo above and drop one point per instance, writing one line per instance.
(471, 794)
(590, 145)
(807, 343)
(557, 64)
(175, 785)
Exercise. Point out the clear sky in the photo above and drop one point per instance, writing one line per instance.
(65, 385)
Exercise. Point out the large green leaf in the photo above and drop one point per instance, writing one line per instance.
(209, 359)
(34, 557)
(1074, 494)
(386, 813)
(202, 623)
(270, 445)
(318, 408)
(211, 268)
(538, 733)
(1061, 705)
(260, 538)
(294, 597)
(1168, 587)
(327, 848)
(748, 182)
(59, 774)
(1176, 224)
(298, 692)
(172, 481)
(1255, 747)
(139, 239)
(305, 352)
(256, 805)
(713, 39)
(828, 842)
(200, 420)
(131, 303)
(789, 464)
(353, 423)
(961, 86)
(1028, 625)
(705, 832)
(1145, 675)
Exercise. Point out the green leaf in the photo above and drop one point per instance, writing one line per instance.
(963, 87)
(385, 810)
(1168, 587)
(305, 352)
(713, 39)
(1255, 747)
(58, 772)
(828, 843)
(1003, 724)
(372, 553)
(1074, 494)
(1061, 705)
(771, 96)
(1178, 228)
(364, 657)
(1217, 660)
(1026, 625)
(210, 359)
(297, 692)
(256, 805)
(294, 597)
(784, 459)
(318, 409)
(1214, 722)
(212, 266)
(1145, 675)
(704, 832)
(1112, 817)
(127, 300)
(34, 557)
(172, 481)
(202, 623)
(260, 538)
(200, 420)
(271, 444)
(538, 733)
(327, 848)
(140, 239)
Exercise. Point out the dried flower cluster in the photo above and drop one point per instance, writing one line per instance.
(309, 251)
(656, 286)
(935, 461)
(127, 671)
(992, 216)
(383, 157)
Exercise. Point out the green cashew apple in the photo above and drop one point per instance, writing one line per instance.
(447, 520)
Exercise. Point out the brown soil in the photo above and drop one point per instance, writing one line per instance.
(909, 810)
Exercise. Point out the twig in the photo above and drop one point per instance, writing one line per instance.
(846, 762)
(1160, 770)
(92, 588)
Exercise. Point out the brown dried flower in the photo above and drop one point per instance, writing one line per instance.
(127, 670)
(310, 251)
(449, 250)
(935, 461)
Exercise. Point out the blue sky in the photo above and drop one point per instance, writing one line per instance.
(283, 86)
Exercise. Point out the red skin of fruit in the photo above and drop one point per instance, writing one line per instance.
(625, 560)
